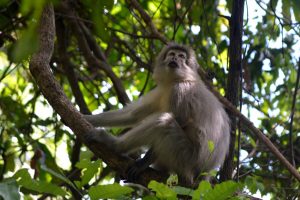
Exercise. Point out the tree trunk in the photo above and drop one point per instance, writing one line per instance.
(233, 81)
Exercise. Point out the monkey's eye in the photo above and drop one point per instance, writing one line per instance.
(182, 56)
(171, 53)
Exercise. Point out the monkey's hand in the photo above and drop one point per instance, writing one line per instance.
(100, 136)
(140, 165)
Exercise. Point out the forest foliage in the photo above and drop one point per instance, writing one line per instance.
(103, 56)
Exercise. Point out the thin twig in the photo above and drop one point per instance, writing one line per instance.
(147, 19)
(182, 18)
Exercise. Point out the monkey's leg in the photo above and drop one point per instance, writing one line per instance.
(172, 148)
(146, 133)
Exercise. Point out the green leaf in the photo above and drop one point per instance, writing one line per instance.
(97, 17)
(293, 75)
(112, 191)
(222, 46)
(162, 191)
(296, 6)
(203, 188)
(273, 4)
(26, 45)
(9, 190)
(253, 185)
(150, 198)
(286, 9)
(90, 168)
(10, 162)
(27, 6)
(24, 179)
(57, 175)
(108, 4)
(4, 21)
(229, 5)
(211, 146)
(172, 180)
(4, 3)
(222, 191)
(183, 190)
(90, 172)
(86, 155)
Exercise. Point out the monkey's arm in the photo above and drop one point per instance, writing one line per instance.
(127, 116)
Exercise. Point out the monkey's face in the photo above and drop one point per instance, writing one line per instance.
(175, 63)
(175, 58)
(175, 67)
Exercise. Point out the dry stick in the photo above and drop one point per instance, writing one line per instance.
(247, 123)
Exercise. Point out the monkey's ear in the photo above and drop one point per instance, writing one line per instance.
(192, 61)
(192, 58)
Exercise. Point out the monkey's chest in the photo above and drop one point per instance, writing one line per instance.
(182, 105)
(180, 101)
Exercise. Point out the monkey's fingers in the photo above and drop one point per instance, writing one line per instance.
(134, 171)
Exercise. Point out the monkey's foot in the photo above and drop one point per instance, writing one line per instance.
(135, 170)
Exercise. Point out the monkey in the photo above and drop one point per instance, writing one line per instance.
(184, 126)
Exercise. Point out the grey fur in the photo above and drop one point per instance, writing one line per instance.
(178, 119)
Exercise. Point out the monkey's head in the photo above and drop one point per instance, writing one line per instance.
(176, 63)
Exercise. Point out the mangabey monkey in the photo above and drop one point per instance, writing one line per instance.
(178, 121)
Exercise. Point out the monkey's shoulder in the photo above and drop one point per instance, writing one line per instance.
(158, 98)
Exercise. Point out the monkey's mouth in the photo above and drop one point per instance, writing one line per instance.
(173, 64)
